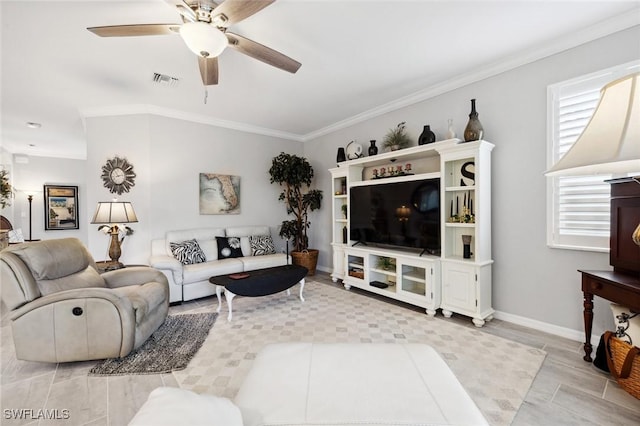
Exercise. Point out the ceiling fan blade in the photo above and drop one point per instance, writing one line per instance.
(135, 30)
(208, 70)
(262, 53)
(235, 11)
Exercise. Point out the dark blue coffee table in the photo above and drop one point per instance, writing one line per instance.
(260, 282)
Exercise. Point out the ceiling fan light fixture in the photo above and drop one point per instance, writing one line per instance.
(220, 20)
(203, 39)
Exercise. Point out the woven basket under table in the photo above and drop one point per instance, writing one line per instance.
(624, 363)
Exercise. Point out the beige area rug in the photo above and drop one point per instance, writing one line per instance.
(496, 372)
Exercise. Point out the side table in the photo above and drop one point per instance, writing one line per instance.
(109, 265)
(613, 286)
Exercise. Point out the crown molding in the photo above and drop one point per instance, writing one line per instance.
(602, 29)
(116, 110)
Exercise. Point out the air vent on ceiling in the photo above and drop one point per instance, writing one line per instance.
(165, 80)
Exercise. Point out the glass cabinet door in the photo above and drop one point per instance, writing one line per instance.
(413, 279)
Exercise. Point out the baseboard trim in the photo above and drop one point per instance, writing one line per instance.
(567, 333)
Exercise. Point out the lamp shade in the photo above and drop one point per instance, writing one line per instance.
(114, 212)
(203, 39)
(610, 143)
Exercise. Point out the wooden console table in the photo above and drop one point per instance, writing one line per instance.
(617, 287)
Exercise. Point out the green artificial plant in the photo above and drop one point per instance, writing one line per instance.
(294, 174)
(6, 191)
(397, 138)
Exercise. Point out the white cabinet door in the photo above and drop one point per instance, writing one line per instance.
(458, 289)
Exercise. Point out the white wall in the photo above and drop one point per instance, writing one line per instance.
(30, 177)
(168, 155)
(530, 279)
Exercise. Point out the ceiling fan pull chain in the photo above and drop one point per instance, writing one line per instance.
(206, 95)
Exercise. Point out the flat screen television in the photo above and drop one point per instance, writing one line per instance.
(399, 214)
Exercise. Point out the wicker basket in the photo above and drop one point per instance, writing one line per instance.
(624, 363)
(357, 274)
(306, 258)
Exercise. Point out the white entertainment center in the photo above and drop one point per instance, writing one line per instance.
(455, 279)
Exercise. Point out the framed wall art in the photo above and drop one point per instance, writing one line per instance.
(60, 207)
(219, 194)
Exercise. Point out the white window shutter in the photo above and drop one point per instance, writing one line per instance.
(579, 206)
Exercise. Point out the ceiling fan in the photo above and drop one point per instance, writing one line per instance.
(204, 30)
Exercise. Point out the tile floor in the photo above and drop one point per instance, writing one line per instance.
(566, 390)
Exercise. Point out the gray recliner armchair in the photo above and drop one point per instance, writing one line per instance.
(63, 310)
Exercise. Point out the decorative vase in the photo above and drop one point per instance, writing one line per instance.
(373, 149)
(427, 136)
(474, 130)
(450, 132)
(341, 155)
(466, 246)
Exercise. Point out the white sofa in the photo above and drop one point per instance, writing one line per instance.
(187, 282)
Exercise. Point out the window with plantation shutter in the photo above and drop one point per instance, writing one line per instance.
(578, 209)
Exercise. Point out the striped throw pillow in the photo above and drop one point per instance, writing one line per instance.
(261, 244)
(188, 252)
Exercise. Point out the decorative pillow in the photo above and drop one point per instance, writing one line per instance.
(261, 244)
(15, 236)
(188, 252)
(228, 247)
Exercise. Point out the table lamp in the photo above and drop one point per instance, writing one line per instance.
(114, 213)
(610, 143)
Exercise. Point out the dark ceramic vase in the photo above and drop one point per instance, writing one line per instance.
(373, 149)
(341, 155)
(474, 130)
(427, 136)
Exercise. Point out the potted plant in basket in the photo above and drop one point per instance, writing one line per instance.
(294, 175)
(397, 138)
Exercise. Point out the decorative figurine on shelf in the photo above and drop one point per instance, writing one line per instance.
(382, 171)
(354, 150)
(397, 138)
(466, 216)
(373, 149)
(474, 130)
(427, 136)
(466, 246)
(451, 133)
(399, 169)
(375, 173)
(407, 167)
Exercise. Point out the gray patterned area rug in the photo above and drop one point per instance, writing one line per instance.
(170, 348)
(496, 372)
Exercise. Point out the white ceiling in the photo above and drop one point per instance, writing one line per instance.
(358, 58)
